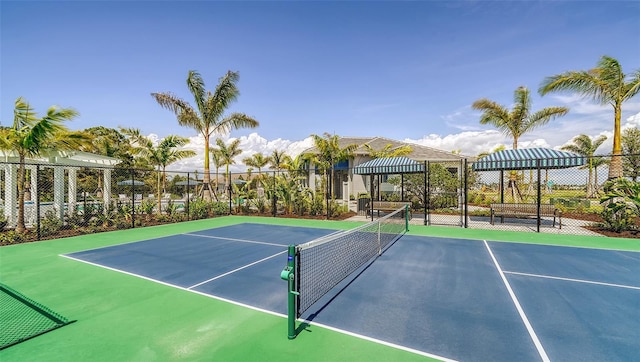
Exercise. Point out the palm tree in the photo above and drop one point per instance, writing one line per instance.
(585, 146)
(516, 122)
(31, 136)
(207, 118)
(388, 151)
(604, 84)
(257, 160)
(519, 120)
(227, 154)
(330, 153)
(162, 155)
(277, 159)
(216, 158)
(298, 166)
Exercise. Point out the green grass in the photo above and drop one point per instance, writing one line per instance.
(126, 318)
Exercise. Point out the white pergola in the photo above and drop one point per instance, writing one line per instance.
(60, 161)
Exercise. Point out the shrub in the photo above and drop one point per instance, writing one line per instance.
(220, 208)
(622, 204)
(261, 204)
(51, 224)
(199, 209)
(11, 236)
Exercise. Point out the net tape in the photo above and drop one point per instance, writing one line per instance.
(326, 261)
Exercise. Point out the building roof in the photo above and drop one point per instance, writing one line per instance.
(419, 152)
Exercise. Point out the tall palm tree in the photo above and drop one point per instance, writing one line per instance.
(519, 120)
(604, 84)
(227, 154)
(585, 146)
(330, 153)
(31, 136)
(162, 155)
(388, 151)
(207, 118)
(516, 122)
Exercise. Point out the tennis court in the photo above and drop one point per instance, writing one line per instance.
(211, 289)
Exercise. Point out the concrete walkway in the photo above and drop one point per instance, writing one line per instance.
(569, 226)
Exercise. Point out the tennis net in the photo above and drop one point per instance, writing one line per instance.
(323, 263)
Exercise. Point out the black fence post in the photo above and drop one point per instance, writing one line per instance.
(539, 198)
(186, 207)
(38, 201)
(425, 196)
(466, 193)
(274, 198)
(133, 199)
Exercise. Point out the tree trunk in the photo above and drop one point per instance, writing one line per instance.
(590, 183)
(512, 187)
(615, 167)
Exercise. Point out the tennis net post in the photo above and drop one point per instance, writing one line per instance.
(288, 274)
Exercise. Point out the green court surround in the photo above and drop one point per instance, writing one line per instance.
(126, 318)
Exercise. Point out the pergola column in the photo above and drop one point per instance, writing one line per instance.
(312, 176)
(30, 210)
(33, 180)
(58, 191)
(72, 190)
(106, 188)
(10, 193)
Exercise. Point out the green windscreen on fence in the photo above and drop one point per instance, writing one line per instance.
(22, 318)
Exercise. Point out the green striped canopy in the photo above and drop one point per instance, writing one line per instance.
(389, 166)
(528, 159)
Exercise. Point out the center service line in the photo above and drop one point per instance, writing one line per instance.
(523, 316)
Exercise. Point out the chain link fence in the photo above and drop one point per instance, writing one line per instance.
(55, 197)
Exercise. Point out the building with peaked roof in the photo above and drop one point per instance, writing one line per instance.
(346, 183)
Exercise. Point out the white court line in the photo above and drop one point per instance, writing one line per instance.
(175, 286)
(574, 280)
(523, 316)
(233, 239)
(379, 341)
(238, 269)
(388, 344)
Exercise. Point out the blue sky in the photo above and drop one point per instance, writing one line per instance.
(402, 70)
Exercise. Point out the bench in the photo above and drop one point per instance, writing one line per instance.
(525, 210)
(390, 206)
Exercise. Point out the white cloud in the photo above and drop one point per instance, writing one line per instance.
(250, 145)
(632, 122)
(470, 143)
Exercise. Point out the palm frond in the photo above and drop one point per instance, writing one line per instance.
(23, 114)
(234, 121)
(195, 84)
(522, 104)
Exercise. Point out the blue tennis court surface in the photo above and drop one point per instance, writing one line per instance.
(468, 300)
